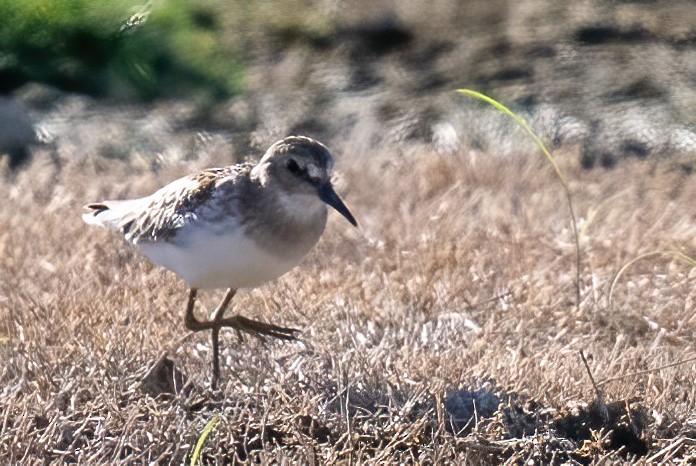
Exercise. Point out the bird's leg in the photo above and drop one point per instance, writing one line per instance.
(217, 315)
(239, 323)
(196, 325)
(190, 320)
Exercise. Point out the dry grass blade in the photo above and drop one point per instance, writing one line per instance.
(201, 440)
(647, 255)
(685, 258)
(647, 371)
(542, 147)
(598, 393)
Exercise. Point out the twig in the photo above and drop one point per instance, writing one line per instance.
(491, 300)
(668, 449)
(604, 411)
(647, 371)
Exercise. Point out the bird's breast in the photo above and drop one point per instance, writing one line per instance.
(290, 229)
(219, 260)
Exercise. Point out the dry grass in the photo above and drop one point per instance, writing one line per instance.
(461, 277)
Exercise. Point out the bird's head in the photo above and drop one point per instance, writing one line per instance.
(301, 166)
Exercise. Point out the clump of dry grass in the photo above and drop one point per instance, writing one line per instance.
(461, 277)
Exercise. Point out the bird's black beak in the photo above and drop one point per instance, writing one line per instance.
(328, 195)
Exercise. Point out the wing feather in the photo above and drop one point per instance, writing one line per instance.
(161, 215)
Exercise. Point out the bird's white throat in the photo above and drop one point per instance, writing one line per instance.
(304, 208)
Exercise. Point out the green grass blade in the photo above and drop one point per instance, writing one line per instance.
(201, 440)
(520, 121)
(542, 147)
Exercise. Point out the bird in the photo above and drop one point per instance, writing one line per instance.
(234, 227)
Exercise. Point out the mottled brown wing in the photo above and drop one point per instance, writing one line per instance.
(175, 205)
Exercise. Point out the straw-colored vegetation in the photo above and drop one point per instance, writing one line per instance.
(461, 277)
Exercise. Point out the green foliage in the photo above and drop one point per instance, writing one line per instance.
(118, 48)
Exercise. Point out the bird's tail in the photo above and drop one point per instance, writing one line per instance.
(111, 215)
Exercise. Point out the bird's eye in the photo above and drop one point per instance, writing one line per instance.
(293, 167)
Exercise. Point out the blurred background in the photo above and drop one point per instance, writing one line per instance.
(164, 81)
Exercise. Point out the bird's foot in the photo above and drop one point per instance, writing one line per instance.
(255, 328)
(259, 329)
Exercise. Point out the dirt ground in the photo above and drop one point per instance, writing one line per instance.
(459, 283)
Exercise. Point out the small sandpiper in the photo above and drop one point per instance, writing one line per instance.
(233, 227)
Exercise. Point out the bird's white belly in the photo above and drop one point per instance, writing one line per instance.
(207, 260)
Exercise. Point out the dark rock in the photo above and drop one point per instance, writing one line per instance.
(41, 422)
(16, 131)
(511, 74)
(465, 406)
(378, 37)
(596, 35)
(644, 88)
(624, 426)
(163, 379)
